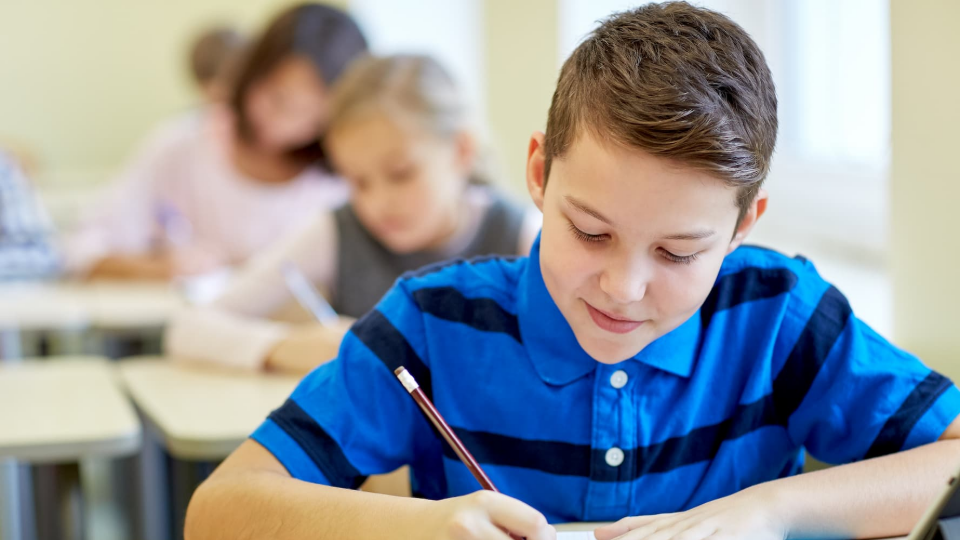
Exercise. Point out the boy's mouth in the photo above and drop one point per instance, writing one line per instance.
(610, 322)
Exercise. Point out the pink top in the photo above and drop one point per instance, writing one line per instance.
(182, 188)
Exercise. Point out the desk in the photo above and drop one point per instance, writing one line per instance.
(40, 306)
(205, 413)
(202, 413)
(125, 306)
(45, 306)
(62, 307)
(53, 413)
(198, 415)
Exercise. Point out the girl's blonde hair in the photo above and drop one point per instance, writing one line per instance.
(411, 87)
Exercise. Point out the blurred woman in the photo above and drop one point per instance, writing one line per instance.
(195, 199)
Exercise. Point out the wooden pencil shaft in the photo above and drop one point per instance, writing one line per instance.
(465, 456)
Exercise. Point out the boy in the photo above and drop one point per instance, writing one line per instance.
(639, 363)
(27, 248)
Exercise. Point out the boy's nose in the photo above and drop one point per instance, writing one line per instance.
(625, 282)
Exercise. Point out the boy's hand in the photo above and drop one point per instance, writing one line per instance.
(486, 515)
(748, 514)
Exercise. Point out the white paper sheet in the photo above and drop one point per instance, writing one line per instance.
(575, 535)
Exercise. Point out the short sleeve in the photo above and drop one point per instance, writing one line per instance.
(849, 394)
(351, 417)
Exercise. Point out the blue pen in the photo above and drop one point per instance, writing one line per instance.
(174, 226)
(307, 295)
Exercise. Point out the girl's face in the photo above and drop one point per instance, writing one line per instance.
(406, 184)
(287, 109)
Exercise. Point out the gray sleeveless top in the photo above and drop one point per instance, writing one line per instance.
(366, 269)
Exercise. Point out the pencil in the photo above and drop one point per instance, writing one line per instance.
(307, 295)
(438, 422)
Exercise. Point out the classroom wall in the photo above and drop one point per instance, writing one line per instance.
(521, 68)
(85, 81)
(81, 82)
(925, 249)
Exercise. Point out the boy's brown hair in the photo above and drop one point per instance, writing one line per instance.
(678, 82)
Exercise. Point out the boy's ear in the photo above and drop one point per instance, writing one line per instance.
(757, 208)
(535, 161)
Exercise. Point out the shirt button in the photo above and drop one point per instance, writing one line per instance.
(619, 379)
(614, 457)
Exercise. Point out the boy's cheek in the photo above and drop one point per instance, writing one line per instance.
(568, 263)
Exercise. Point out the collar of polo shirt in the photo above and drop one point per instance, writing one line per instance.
(553, 348)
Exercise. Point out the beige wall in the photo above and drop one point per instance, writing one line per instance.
(82, 81)
(521, 68)
(925, 247)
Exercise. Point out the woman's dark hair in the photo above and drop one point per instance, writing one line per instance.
(326, 36)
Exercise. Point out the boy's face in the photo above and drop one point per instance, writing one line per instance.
(631, 243)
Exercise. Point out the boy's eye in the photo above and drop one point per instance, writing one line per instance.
(679, 259)
(585, 237)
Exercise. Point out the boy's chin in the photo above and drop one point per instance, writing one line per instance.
(607, 352)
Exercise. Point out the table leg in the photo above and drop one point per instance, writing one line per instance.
(185, 477)
(119, 344)
(60, 511)
(11, 522)
(152, 519)
(16, 502)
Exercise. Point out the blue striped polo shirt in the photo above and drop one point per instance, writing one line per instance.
(772, 363)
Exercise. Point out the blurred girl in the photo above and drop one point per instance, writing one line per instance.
(401, 135)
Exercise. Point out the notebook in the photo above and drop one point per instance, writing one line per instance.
(575, 535)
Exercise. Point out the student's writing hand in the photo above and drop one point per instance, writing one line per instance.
(193, 260)
(748, 514)
(308, 346)
(162, 265)
(486, 515)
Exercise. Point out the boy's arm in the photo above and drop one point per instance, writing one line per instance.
(874, 498)
(251, 495)
(349, 419)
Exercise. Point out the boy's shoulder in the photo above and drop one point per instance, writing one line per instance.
(755, 272)
(491, 274)
(750, 256)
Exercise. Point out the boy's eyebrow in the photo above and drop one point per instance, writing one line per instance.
(695, 235)
(586, 209)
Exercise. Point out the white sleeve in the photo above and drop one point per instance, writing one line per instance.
(234, 330)
(122, 219)
(532, 222)
(209, 335)
(259, 289)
